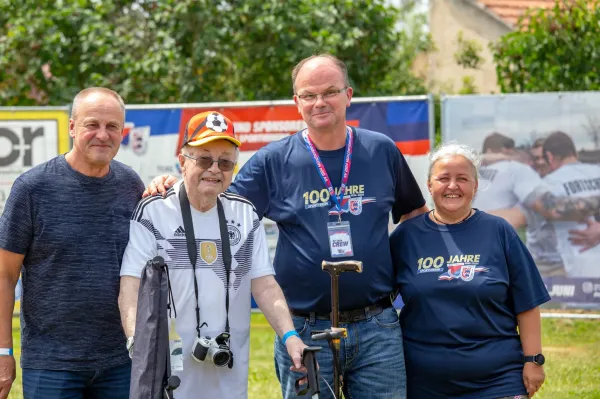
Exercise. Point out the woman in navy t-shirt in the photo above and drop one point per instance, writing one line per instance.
(467, 282)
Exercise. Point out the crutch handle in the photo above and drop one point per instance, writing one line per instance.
(312, 373)
(330, 334)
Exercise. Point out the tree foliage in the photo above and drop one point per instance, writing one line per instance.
(468, 53)
(468, 56)
(165, 51)
(556, 49)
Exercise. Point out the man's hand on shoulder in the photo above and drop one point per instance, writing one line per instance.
(160, 185)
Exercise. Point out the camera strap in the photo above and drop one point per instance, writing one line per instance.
(192, 250)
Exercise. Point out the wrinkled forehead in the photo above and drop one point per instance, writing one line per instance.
(215, 149)
(100, 106)
(319, 74)
(453, 165)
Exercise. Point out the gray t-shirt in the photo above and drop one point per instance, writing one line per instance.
(73, 230)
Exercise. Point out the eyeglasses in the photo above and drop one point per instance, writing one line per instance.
(328, 95)
(206, 162)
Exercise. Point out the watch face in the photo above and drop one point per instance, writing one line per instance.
(539, 359)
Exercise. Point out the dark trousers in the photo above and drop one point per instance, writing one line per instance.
(112, 383)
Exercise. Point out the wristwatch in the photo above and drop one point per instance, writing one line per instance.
(538, 359)
(130, 345)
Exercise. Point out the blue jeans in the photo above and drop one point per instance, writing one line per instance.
(110, 383)
(371, 358)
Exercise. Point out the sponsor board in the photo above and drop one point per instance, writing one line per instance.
(516, 134)
(574, 290)
(29, 138)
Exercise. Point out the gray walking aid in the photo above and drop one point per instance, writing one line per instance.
(335, 333)
(312, 374)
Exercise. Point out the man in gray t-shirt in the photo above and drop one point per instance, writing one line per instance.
(67, 223)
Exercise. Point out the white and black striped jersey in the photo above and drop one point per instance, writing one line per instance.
(157, 229)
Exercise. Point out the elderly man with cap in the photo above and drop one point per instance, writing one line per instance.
(211, 289)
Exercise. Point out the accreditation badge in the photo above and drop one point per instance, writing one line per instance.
(176, 353)
(340, 239)
(175, 347)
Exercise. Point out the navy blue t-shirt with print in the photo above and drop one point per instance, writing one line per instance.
(282, 182)
(73, 230)
(462, 286)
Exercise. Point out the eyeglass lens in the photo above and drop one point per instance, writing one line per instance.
(206, 162)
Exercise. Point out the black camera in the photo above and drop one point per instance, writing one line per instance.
(215, 350)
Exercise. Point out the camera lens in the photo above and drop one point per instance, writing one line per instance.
(221, 358)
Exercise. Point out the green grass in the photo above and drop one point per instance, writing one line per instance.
(571, 346)
(262, 381)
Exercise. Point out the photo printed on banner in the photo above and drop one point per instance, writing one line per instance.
(541, 172)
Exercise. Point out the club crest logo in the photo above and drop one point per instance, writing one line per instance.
(234, 235)
(354, 205)
(136, 137)
(462, 271)
(208, 251)
(139, 139)
(467, 273)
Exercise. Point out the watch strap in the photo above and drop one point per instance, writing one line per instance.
(537, 359)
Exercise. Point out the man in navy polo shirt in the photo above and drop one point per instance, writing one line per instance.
(297, 182)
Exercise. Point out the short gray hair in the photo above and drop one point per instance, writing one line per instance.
(451, 149)
(91, 90)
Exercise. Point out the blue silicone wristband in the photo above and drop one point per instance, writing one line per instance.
(6, 351)
(288, 334)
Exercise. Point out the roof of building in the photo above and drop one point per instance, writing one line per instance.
(510, 10)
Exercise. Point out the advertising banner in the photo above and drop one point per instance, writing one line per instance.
(153, 133)
(405, 122)
(150, 141)
(541, 172)
(28, 137)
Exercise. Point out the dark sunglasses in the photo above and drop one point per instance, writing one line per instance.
(206, 162)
